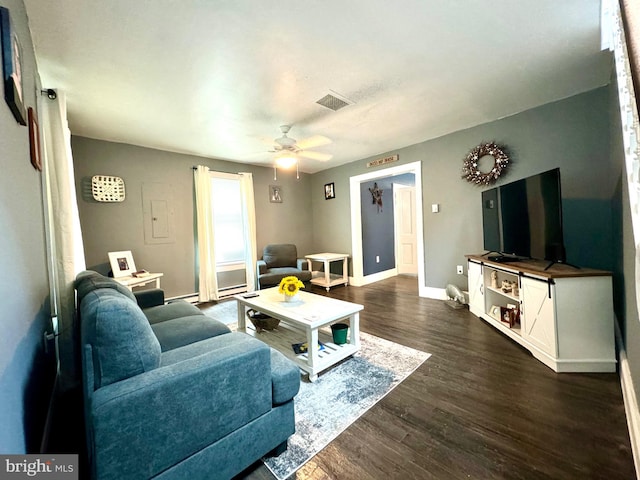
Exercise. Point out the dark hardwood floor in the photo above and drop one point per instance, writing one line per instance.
(481, 407)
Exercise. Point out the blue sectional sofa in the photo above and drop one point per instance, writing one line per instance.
(170, 393)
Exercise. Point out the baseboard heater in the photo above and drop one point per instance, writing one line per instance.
(222, 293)
(231, 290)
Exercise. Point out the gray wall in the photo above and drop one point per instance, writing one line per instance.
(571, 134)
(110, 227)
(26, 374)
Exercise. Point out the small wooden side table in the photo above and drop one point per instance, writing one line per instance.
(329, 280)
(131, 282)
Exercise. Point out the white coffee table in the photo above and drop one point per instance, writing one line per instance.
(305, 319)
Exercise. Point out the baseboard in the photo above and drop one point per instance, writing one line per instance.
(630, 401)
(376, 277)
(433, 292)
(190, 298)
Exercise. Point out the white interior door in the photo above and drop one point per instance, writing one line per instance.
(405, 226)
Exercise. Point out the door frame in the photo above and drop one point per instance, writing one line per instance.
(359, 278)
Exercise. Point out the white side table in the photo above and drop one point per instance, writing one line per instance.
(131, 282)
(329, 280)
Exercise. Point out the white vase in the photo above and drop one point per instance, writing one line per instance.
(289, 298)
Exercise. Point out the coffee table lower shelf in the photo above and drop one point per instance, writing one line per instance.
(284, 336)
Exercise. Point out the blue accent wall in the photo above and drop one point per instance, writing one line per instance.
(378, 223)
(588, 242)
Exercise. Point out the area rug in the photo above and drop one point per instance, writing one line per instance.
(326, 407)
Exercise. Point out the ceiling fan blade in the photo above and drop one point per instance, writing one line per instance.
(315, 155)
(313, 142)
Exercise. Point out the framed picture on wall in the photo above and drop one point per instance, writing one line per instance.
(275, 193)
(11, 67)
(34, 139)
(329, 191)
(122, 263)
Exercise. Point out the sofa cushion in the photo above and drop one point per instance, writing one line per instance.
(274, 275)
(185, 330)
(88, 281)
(123, 344)
(171, 310)
(285, 378)
(150, 297)
(280, 255)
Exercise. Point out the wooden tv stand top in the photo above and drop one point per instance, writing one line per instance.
(537, 267)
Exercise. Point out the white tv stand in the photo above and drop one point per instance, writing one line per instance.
(566, 313)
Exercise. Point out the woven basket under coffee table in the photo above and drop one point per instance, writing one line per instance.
(262, 321)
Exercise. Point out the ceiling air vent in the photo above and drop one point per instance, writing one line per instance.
(333, 102)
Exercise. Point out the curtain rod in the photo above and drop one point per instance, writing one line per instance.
(232, 173)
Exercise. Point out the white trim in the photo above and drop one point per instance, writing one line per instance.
(375, 277)
(630, 400)
(224, 175)
(435, 293)
(231, 266)
(358, 278)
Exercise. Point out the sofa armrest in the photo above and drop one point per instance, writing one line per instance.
(303, 264)
(193, 403)
(150, 298)
(285, 378)
(262, 267)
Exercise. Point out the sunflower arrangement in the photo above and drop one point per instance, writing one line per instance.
(290, 286)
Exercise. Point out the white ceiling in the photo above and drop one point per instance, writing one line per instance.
(216, 78)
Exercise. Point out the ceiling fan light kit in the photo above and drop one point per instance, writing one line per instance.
(289, 150)
(286, 160)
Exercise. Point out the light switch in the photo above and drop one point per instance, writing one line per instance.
(435, 208)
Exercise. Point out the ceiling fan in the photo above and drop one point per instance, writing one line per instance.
(288, 149)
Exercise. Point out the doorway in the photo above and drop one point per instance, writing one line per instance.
(359, 278)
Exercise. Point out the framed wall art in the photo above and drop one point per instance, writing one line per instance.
(122, 263)
(34, 140)
(275, 193)
(11, 67)
(329, 191)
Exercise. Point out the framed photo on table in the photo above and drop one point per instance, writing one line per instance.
(509, 316)
(11, 67)
(122, 263)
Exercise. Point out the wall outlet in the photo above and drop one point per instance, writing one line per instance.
(459, 270)
(377, 259)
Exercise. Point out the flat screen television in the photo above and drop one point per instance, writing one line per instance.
(523, 219)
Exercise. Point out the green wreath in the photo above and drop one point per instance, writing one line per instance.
(470, 170)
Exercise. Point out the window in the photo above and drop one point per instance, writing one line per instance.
(228, 222)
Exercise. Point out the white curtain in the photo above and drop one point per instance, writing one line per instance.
(246, 189)
(63, 222)
(207, 277)
(630, 128)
